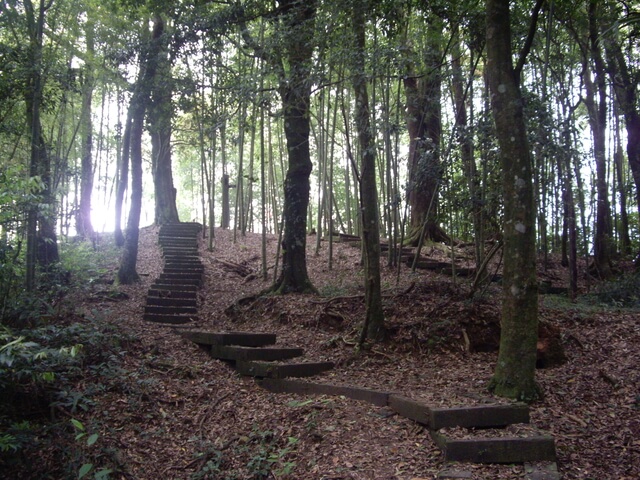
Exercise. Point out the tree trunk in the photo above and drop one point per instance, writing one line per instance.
(42, 245)
(515, 371)
(139, 100)
(425, 129)
(374, 319)
(160, 114)
(295, 91)
(603, 239)
(123, 177)
(84, 227)
(625, 83)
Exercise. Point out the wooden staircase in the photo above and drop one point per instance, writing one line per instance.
(173, 297)
(462, 433)
(254, 354)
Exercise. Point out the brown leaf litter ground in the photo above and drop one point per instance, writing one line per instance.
(172, 412)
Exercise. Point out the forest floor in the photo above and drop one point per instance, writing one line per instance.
(164, 409)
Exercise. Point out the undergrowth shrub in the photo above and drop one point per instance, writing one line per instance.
(622, 292)
(52, 369)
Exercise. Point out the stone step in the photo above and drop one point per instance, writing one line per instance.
(165, 310)
(172, 302)
(282, 370)
(479, 416)
(246, 339)
(165, 293)
(267, 354)
(170, 319)
(497, 450)
(172, 286)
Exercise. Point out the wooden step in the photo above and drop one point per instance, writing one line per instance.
(282, 370)
(170, 319)
(162, 310)
(172, 286)
(246, 339)
(178, 251)
(179, 242)
(172, 302)
(497, 450)
(171, 279)
(193, 278)
(164, 293)
(183, 269)
(301, 387)
(478, 416)
(183, 259)
(267, 354)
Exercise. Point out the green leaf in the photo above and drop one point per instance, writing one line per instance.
(77, 424)
(92, 439)
(102, 474)
(84, 469)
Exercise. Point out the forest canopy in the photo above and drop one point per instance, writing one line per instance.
(248, 115)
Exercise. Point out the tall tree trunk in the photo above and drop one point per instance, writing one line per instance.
(425, 128)
(123, 176)
(465, 139)
(127, 272)
(515, 370)
(374, 319)
(295, 91)
(625, 83)
(160, 115)
(603, 239)
(42, 245)
(84, 226)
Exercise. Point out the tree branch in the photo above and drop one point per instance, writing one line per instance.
(530, 36)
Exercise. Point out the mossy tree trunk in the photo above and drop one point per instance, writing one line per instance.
(515, 371)
(424, 125)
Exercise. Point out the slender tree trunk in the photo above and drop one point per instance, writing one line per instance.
(140, 98)
(603, 239)
(374, 319)
(84, 226)
(515, 370)
(127, 272)
(123, 177)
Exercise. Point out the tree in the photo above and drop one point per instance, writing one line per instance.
(596, 101)
(292, 63)
(374, 315)
(139, 101)
(625, 81)
(160, 116)
(42, 243)
(515, 371)
(424, 126)
(84, 227)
